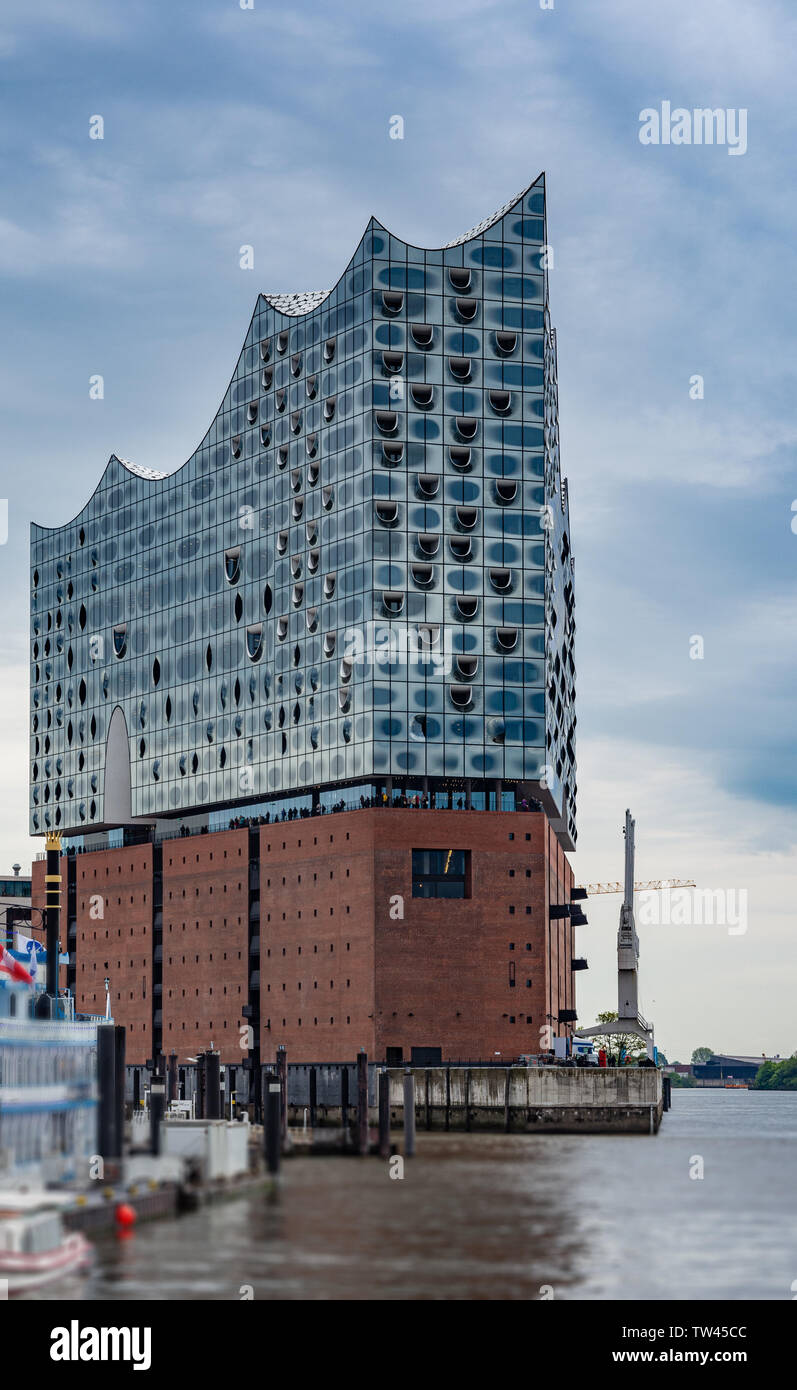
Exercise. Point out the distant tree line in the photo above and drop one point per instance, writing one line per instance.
(777, 1076)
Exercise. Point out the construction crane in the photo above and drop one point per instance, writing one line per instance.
(629, 1019)
(639, 887)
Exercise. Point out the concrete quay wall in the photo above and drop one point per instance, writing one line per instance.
(559, 1100)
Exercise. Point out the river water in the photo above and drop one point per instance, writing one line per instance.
(499, 1217)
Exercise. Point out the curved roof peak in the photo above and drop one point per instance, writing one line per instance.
(490, 221)
(304, 301)
(152, 474)
(301, 303)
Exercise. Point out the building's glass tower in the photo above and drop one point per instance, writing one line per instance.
(361, 579)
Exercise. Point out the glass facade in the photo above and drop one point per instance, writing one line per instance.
(363, 573)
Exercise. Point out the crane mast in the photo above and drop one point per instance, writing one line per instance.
(629, 1018)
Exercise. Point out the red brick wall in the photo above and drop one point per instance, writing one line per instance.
(316, 937)
(438, 976)
(114, 938)
(205, 943)
(444, 972)
(338, 972)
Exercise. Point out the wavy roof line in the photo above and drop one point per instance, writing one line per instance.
(304, 301)
(294, 305)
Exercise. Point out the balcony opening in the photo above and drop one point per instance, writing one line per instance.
(232, 564)
(501, 579)
(427, 484)
(422, 334)
(467, 606)
(459, 278)
(422, 396)
(505, 491)
(461, 696)
(387, 513)
(386, 421)
(254, 641)
(460, 458)
(393, 602)
(428, 544)
(467, 308)
(506, 342)
(500, 401)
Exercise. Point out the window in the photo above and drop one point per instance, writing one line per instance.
(440, 873)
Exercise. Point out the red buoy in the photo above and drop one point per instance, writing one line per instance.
(125, 1215)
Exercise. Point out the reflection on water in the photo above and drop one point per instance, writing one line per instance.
(499, 1217)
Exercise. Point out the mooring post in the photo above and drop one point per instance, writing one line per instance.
(282, 1077)
(106, 1071)
(174, 1083)
(467, 1098)
(157, 1097)
(344, 1099)
(272, 1126)
(427, 1108)
(384, 1113)
(409, 1114)
(507, 1078)
(201, 1089)
(362, 1101)
(136, 1089)
(120, 1038)
(313, 1096)
(448, 1098)
(213, 1085)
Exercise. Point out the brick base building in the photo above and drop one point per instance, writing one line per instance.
(386, 929)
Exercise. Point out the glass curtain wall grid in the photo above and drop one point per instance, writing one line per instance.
(362, 573)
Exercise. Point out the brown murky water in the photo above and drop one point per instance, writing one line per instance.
(499, 1217)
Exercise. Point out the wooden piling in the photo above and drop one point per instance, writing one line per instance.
(362, 1101)
(409, 1114)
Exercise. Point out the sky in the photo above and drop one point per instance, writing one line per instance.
(226, 126)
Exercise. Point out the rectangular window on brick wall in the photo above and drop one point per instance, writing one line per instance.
(441, 873)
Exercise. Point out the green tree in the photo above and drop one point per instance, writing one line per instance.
(777, 1076)
(701, 1055)
(635, 1048)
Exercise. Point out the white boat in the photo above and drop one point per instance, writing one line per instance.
(34, 1247)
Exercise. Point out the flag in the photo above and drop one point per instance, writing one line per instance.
(14, 968)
